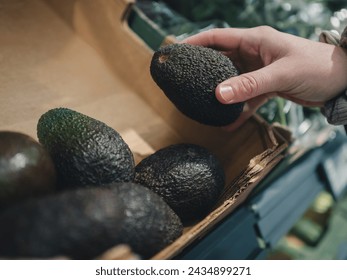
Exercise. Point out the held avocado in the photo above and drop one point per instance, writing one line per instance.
(83, 223)
(188, 177)
(85, 151)
(26, 168)
(188, 75)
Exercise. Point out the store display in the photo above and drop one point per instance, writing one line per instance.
(94, 60)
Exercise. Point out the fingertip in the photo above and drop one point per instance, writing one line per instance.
(225, 93)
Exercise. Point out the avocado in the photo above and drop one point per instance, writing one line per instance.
(188, 75)
(187, 176)
(26, 168)
(85, 151)
(82, 223)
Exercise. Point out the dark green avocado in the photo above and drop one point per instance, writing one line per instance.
(85, 151)
(26, 168)
(83, 223)
(188, 75)
(188, 177)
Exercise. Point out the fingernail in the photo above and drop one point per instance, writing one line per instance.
(227, 93)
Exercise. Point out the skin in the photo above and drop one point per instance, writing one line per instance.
(274, 63)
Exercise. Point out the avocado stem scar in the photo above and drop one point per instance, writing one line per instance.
(163, 58)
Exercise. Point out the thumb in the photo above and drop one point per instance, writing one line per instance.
(248, 85)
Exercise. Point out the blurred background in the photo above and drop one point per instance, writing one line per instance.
(304, 18)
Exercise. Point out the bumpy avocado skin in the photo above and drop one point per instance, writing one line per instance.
(83, 223)
(187, 176)
(85, 151)
(26, 168)
(150, 224)
(188, 75)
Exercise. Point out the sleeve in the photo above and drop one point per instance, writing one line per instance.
(343, 40)
(335, 110)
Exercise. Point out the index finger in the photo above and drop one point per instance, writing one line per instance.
(222, 39)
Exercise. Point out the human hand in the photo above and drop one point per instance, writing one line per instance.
(275, 63)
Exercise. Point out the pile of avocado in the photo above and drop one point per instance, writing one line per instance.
(77, 192)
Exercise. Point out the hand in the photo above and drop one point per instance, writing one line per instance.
(275, 63)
